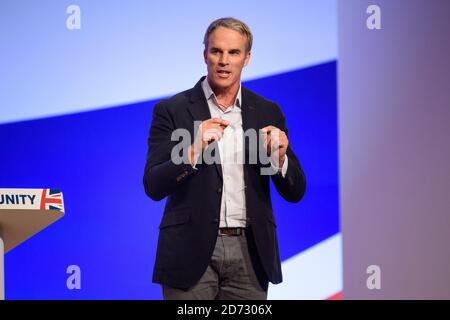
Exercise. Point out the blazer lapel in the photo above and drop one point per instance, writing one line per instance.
(198, 107)
(250, 120)
(249, 114)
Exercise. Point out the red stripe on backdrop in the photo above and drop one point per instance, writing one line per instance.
(43, 199)
(336, 296)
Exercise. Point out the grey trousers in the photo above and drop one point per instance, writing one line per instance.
(234, 273)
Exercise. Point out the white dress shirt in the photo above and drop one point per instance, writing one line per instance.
(232, 208)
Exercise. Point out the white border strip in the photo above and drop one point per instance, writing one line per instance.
(313, 274)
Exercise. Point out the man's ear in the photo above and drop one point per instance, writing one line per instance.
(247, 58)
(204, 55)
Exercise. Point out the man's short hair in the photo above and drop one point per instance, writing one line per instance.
(233, 24)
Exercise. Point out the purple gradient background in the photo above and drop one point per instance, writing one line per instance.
(394, 130)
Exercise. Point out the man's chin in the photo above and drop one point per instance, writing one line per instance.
(222, 84)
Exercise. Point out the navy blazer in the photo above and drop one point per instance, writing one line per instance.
(189, 226)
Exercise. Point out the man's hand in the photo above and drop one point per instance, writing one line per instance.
(275, 140)
(209, 130)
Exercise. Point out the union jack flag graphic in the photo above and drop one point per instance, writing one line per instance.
(51, 199)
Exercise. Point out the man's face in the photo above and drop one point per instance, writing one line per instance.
(225, 57)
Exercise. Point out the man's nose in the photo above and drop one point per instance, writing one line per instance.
(223, 61)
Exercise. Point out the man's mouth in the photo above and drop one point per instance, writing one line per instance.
(223, 73)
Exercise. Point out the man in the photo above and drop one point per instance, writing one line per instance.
(217, 237)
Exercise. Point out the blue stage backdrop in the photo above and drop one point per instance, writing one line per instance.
(85, 132)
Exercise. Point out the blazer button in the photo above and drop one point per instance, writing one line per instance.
(219, 190)
(216, 220)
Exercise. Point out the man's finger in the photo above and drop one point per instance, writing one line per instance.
(220, 126)
(267, 129)
(214, 130)
(268, 143)
(220, 121)
(213, 134)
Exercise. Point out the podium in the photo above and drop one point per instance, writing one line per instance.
(23, 213)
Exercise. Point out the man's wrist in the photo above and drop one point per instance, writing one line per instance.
(284, 166)
(193, 155)
(194, 151)
(281, 161)
(281, 166)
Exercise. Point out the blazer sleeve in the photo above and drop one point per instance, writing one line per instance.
(293, 186)
(161, 175)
